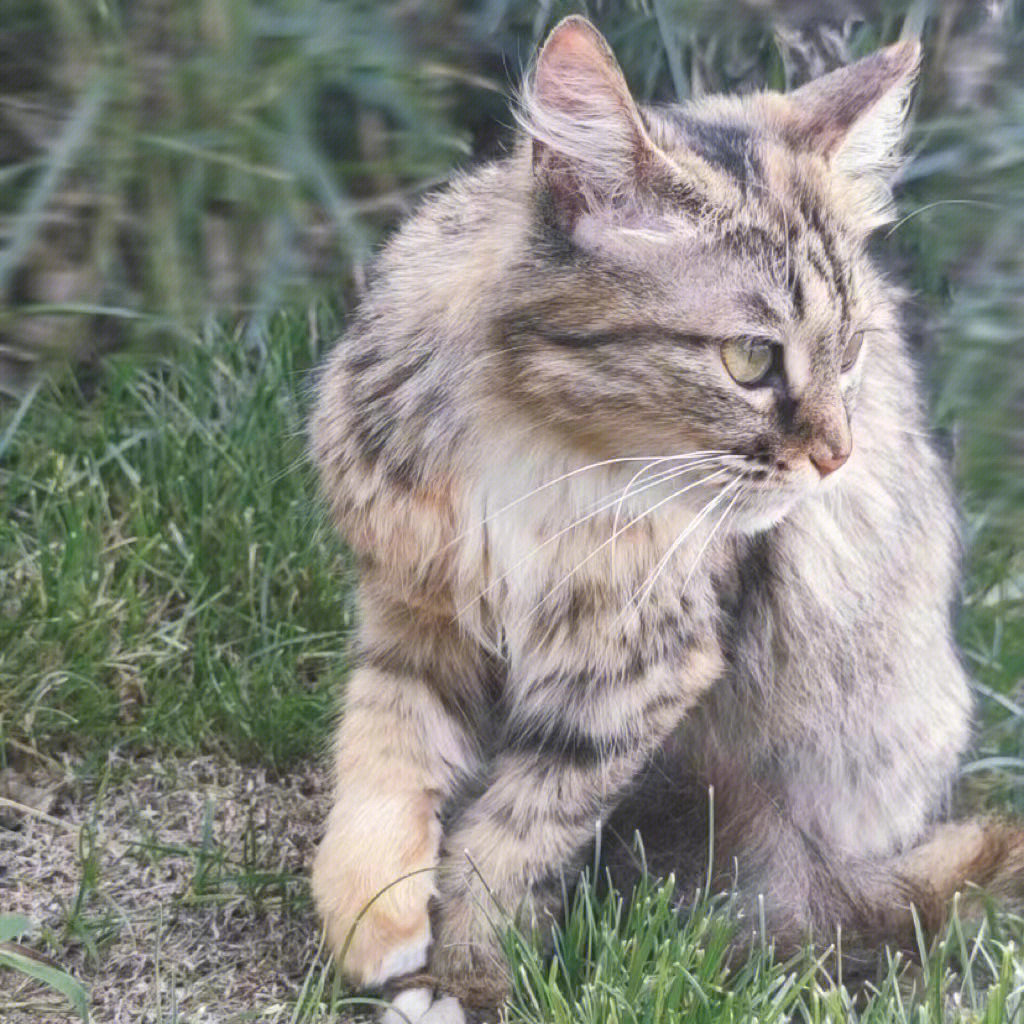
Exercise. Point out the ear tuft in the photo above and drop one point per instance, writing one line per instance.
(577, 74)
(589, 142)
(855, 116)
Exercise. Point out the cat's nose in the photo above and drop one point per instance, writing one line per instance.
(826, 459)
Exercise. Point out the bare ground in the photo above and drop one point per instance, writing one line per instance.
(172, 889)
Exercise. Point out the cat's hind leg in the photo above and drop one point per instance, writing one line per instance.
(812, 893)
(797, 885)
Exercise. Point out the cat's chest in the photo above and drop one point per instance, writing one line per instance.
(598, 576)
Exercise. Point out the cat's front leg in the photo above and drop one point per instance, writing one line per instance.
(574, 742)
(401, 747)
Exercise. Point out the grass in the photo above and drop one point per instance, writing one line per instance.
(214, 154)
(174, 611)
(165, 580)
(168, 881)
(638, 962)
(13, 925)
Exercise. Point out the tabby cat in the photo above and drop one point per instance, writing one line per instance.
(634, 462)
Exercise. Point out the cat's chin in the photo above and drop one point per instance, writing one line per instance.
(763, 511)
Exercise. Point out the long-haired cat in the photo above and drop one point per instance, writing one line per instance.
(634, 461)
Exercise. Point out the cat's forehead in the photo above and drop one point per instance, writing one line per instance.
(758, 273)
(777, 247)
(752, 164)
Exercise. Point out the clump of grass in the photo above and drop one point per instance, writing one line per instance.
(166, 580)
(208, 156)
(644, 961)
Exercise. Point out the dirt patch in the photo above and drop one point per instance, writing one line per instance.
(173, 890)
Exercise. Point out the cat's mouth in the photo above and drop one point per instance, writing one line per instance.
(728, 492)
(735, 499)
(787, 478)
(764, 495)
(767, 482)
(762, 507)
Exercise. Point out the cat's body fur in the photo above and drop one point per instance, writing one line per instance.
(534, 347)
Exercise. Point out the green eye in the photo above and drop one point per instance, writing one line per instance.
(748, 360)
(852, 350)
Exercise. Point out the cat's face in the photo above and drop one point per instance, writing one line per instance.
(703, 285)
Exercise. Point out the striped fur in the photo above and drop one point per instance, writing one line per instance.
(586, 548)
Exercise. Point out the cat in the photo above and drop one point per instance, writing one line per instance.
(635, 466)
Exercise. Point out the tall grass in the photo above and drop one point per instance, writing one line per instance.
(222, 155)
(643, 961)
(165, 579)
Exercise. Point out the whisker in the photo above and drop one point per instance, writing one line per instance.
(929, 434)
(649, 460)
(645, 589)
(707, 540)
(940, 202)
(712, 456)
(622, 529)
(603, 505)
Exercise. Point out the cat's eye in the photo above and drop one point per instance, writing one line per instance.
(748, 360)
(852, 350)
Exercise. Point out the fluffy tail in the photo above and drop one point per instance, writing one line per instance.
(803, 891)
(881, 901)
(979, 855)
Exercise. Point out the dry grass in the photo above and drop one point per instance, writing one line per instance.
(174, 889)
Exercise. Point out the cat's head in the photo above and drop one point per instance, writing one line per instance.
(696, 278)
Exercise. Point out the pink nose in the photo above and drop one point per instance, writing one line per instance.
(826, 461)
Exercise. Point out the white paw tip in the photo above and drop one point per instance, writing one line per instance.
(418, 1006)
(408, 1007)
(403, 960)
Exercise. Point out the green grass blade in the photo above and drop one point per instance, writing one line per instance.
(51, 976)
(13, 925)
(19, 414)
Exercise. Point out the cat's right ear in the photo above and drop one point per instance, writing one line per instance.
(590, 148)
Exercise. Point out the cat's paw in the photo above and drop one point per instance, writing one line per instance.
(421, 1006)
(372, 881)
(467, 958)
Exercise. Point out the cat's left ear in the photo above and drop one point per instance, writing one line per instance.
(856, 116)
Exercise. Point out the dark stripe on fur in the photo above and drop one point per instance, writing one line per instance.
(398, 376)
(567, 744)
(449, 683)
(816, 223)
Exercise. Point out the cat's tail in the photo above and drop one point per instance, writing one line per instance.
(804, 890)
(887, 900)
(801, 890)
(978, 857)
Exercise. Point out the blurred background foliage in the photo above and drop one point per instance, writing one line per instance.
(168, 162)
(160, 160)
